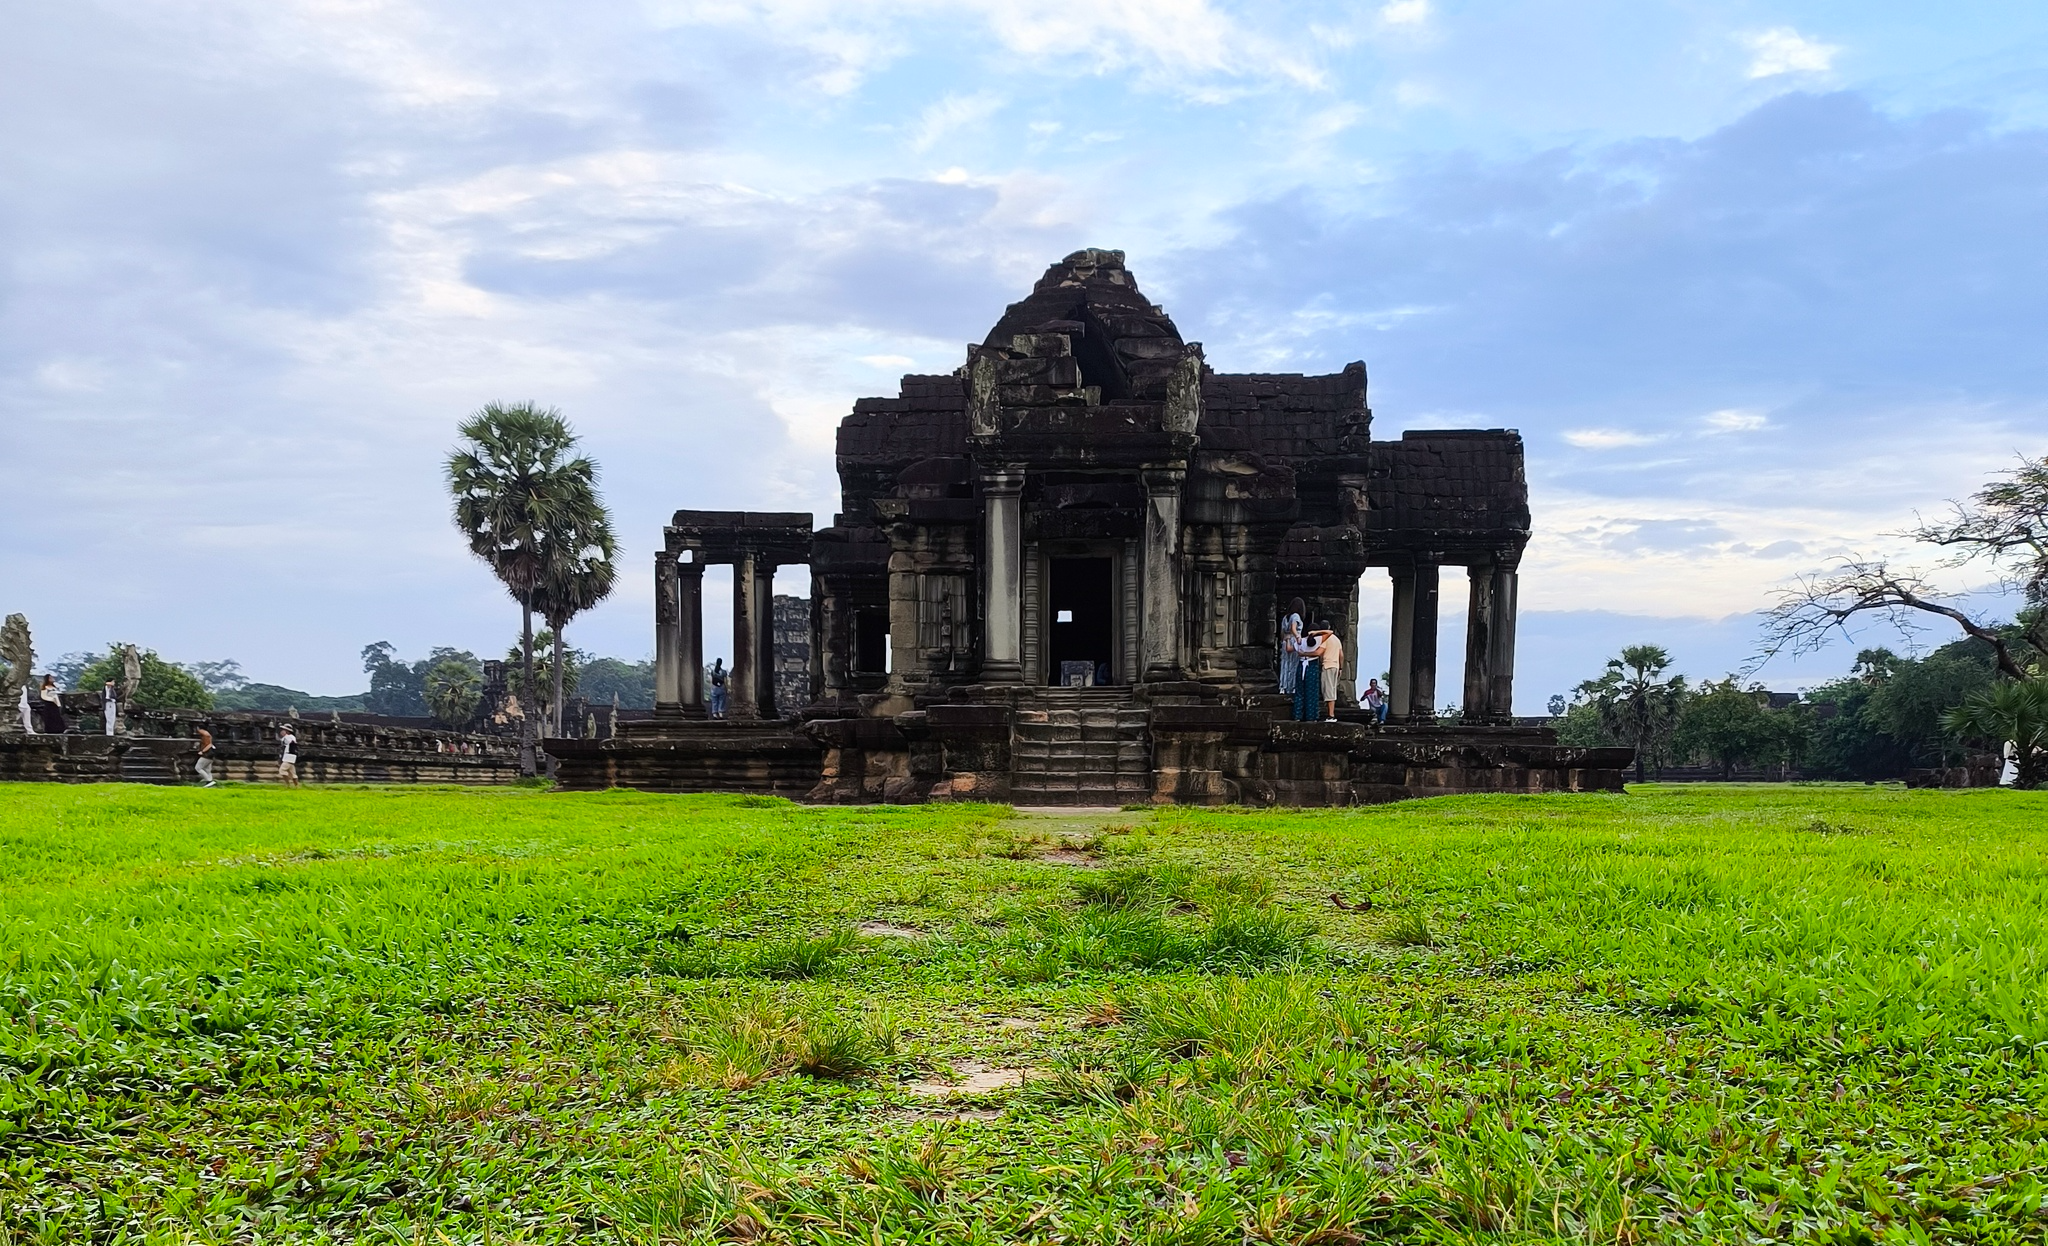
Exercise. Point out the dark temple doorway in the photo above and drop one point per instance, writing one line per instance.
(1083, 620)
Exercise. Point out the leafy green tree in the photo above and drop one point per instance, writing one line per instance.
(603, 679)
(2014, 712)
(164, 685)
(1909, 706)
(398, 688)
(1636, 703)
(453, 689)
(1727, 723)
(517, 482)
(1580, 726)
(1847, 742)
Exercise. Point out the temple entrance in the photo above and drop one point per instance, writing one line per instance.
(1081, 605)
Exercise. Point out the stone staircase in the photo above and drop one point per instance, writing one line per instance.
(1080, 746)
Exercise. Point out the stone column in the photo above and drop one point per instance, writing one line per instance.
(1160, 632)
(1347, 691)
(1479, 619)
(1003, 526)
(667, 652)
(743, 686)
(690, 627)
(1501, 697)
(1422, 646)
(764, 637)
(1401, 653)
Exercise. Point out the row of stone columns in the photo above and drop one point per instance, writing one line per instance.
(679, 637)
(1489, 643)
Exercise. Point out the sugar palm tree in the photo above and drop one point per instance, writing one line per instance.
(579, 571)
(2015, 711)
(518, 483)
(1635, 702)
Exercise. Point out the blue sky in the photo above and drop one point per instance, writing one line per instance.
(1755, 280)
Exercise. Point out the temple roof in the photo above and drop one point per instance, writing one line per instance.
(1124, 343)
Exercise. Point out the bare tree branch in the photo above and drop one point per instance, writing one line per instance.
(1807, 615)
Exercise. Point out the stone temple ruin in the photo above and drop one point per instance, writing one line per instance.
(1056, 578)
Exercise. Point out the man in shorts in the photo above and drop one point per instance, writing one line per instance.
(288, 757)
(1331, 651)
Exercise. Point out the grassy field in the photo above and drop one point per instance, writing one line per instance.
(1701, 1014)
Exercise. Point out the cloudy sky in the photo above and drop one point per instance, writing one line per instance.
(1755, 280)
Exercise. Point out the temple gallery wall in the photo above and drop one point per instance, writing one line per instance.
(1056, 576)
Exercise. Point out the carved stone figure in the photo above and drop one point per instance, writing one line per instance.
(17, 668)
(131, 674)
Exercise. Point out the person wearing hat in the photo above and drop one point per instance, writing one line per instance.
(288, 756)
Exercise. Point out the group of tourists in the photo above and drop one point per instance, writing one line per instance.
(1311, 665)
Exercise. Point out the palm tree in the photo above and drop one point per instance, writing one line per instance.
(517, 481)
(2016, 711)
(1635, 702)
(579, 571)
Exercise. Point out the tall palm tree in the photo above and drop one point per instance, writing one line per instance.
(517, 481)
(579, 570)
(1635, 702)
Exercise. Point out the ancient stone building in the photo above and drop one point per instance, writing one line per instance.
(1056, 575)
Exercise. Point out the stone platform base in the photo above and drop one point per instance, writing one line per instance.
(169, 760)
(1019, 747)
(691, 755)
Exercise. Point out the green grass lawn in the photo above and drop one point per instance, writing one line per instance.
(1702, 1014)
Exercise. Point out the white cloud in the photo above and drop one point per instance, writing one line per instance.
(1405, 12)
(1735, 420)
(1783, 50)
(951, 114)
(1607, 438)
(888, 361)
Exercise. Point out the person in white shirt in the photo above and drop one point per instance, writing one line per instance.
(1375, 700)
(110, 707)
(288, 757)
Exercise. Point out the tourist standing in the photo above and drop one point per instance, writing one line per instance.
(1308, 688)
(1375, 701)
(1331, 651)
(28, 713)
(203, 766)
(1290, 648)
(50, 705)
(288, 756)
(718, 688)
(110, 707)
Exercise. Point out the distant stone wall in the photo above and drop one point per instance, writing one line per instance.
(161, 746)
(792, 654)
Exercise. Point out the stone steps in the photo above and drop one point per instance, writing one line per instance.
(1077, 746)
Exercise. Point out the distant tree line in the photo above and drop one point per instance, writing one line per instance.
(1985, 692)
(445, 685)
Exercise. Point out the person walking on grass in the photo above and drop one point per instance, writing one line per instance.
(1331, 651)
(203, 765)
(288, 756)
